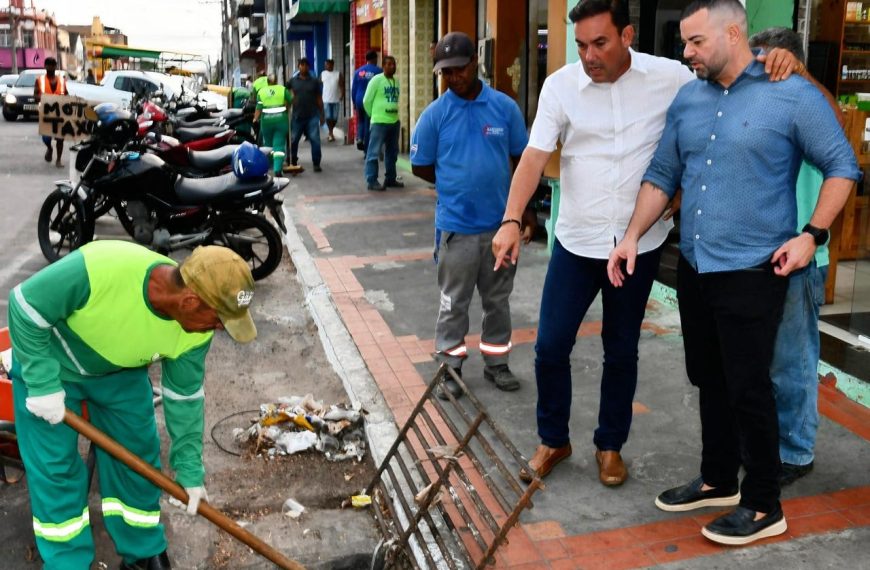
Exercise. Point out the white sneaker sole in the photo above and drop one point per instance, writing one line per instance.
(716, 502)
(775, 529)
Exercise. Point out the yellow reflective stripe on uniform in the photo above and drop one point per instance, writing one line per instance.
(199, 394)
(113, 507)
(274, 110)
(493, 349)
(62, 532)
(32, 313)
(456, 351)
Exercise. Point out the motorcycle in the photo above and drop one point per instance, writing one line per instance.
(164, 210)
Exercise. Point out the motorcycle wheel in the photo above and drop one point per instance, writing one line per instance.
(253, 238)
(62, 226)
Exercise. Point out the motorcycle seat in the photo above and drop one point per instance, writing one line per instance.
(185, 134)
(227, 186)
(206, 122)
(215, 159)
(228, 114)
(211, 160)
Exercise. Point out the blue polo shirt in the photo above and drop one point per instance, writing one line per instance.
(736, 153)
(471, 144)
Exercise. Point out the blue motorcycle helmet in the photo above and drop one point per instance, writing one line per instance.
(249, 162)
(114, 124)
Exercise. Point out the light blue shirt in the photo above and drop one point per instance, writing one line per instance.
(471, 144)
(736, 152)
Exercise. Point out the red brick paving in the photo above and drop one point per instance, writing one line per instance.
(544, 545)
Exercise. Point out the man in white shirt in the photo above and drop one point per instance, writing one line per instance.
(333, 95)
(608, 111)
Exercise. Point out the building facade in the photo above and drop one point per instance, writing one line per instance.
(27, 36)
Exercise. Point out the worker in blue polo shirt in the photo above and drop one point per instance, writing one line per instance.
(466, 142)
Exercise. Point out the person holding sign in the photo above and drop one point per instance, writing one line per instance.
(50, 84)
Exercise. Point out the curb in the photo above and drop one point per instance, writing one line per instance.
(339, 347)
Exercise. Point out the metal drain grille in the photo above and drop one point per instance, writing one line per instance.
(447, 492)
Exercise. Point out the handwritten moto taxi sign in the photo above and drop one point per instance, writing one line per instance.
(65, 117)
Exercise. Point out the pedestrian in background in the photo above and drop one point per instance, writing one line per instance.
(381, 104)
(466, 142)
(733, 141)
(794, 370)
(51, 83)
(86, 329)
(608, 138)
(307, 113)
(271, 114)
(333, 95)
(90, 80)
(361, 77)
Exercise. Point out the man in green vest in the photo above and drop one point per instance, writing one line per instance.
(272, 103)
(85, 329)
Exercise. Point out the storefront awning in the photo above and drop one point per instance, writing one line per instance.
(115, 52)
(323, 6)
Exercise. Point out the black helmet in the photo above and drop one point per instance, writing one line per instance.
(115, 125)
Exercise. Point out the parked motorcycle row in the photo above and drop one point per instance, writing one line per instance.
(168, 175)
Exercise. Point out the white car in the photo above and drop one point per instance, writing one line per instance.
(7, 81)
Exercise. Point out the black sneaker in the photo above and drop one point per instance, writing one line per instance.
(294, 161)
(690, 496)
(791, 473)
(450, 385)
(740, 527)
(502, 376)
(156, 562)
(375, 187)
(394, 184)
(317, 168)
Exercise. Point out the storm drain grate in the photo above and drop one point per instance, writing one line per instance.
(447, 493)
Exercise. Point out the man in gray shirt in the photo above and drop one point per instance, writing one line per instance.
(307, 113)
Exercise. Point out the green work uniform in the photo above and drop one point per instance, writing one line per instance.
(273, 101)
(85, 325)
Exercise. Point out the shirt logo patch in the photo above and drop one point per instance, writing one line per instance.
(156, 357)
(413, 149)
(244, 298)
(490, 131)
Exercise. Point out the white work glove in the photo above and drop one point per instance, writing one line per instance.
(194, 496)
(49, 407)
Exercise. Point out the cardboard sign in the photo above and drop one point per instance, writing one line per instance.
(65, 117)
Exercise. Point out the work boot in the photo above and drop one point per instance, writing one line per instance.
(156, 562)
(48, 154)
(450, 385)
(502, 376)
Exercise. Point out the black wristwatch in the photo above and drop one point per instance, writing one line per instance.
(820, 236)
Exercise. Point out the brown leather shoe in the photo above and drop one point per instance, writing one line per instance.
(544, 460)
(611, 469)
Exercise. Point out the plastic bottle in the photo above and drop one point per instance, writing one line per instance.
(845, 72)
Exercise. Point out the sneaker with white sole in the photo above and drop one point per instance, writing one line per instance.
(690, 496)
(739, 527)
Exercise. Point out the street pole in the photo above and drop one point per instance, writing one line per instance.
(283, 42)
(14, 17)
(224, 50)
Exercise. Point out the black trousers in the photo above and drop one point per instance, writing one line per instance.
(729, 322)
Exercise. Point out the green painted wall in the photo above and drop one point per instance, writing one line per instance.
(765, 14)
(571, 55)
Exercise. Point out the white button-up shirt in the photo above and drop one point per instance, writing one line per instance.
(609, 132)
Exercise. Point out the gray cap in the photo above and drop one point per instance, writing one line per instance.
(454, 50)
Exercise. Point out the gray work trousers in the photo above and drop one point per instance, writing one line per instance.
(465, 261)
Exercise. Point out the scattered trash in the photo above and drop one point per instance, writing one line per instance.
(311, 533)
(360, 501)
(292, 508)
(296, 424)
(243, 524)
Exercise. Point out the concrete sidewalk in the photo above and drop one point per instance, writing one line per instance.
(373, 256)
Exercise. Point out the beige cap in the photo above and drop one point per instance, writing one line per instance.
(223, 280)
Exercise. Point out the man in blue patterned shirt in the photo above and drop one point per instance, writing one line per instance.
(734, 142)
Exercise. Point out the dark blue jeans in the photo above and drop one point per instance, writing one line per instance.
(311, 128)
(388, 136)
(572, 283)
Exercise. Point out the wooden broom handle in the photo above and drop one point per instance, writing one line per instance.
(156, 477)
